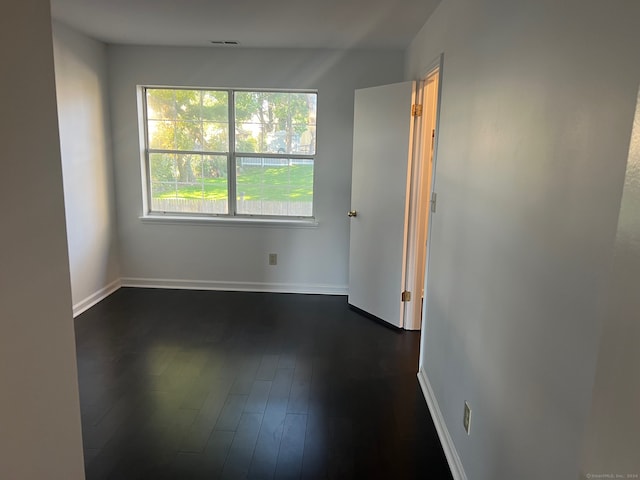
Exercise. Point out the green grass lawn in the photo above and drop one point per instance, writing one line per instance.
(253, 183)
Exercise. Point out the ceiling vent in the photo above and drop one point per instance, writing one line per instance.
(229, 43)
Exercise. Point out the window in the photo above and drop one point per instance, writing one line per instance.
(229, 152)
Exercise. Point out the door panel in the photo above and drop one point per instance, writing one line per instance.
(382, 140)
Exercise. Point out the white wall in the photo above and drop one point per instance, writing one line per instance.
(536, 114)
(309, 259)
(613, 439)
(40, 435)
(81, 86)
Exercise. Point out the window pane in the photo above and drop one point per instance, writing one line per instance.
(275, 122)
(215, 136)
(188, 104)
(215, 106)
(192, 183)
(192, 120)
(188, 135)
(274, 186)
(162, 134)
(161, 104)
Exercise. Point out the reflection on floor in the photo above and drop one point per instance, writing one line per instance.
(190, 384)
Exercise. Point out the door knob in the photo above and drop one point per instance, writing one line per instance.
(352, 213)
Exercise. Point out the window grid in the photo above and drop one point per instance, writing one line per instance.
(280, 162)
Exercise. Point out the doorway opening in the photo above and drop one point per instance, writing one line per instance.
(422, 200)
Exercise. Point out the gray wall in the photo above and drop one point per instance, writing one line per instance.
(613, 440)
(85, 138)
(537, 107)
(40, 434)
(309, 259)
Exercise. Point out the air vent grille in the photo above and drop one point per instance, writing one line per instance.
(225, 42)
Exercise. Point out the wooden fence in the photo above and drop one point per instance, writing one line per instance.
(246, 207)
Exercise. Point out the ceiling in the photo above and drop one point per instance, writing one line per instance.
(253, 23)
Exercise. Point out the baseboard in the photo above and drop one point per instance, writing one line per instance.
(94, 298)
(103, 293)
(319, 289)
(455, 464)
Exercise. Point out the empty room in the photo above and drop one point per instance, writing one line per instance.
(363, 239)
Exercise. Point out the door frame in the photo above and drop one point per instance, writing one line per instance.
(439, 64)
(421, 200)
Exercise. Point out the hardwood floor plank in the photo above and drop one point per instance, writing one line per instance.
(241, 451)
(231, 412)
(289, 463)
(258, 397)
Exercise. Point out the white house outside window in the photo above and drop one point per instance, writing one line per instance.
(229, 152)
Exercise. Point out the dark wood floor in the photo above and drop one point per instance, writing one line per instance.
(186, 384)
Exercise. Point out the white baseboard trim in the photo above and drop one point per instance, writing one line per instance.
(319, 289)
(96, 297)
(455, 464)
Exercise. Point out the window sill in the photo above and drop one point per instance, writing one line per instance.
(231, 221)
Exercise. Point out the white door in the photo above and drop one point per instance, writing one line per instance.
(382, 142)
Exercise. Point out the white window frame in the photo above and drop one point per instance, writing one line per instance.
(232, 216)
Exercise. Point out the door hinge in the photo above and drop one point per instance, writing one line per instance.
(416, 110)
(434, 201)
(406, 296)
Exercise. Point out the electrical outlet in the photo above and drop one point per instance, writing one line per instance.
(466, 421)
(273, 259)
